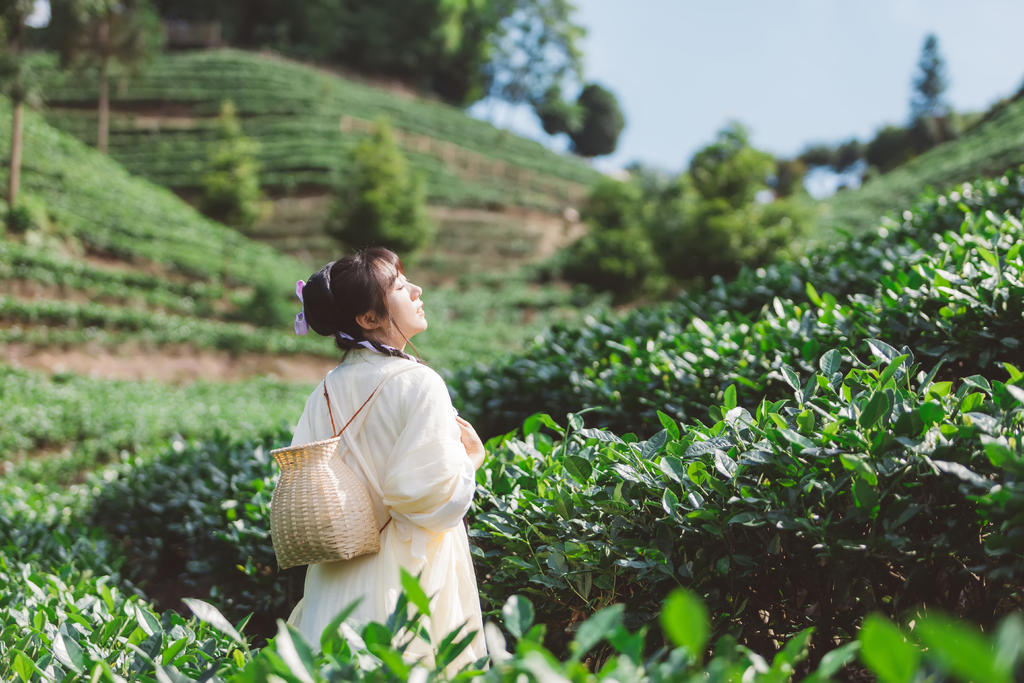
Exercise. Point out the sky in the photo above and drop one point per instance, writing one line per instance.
(792, 71)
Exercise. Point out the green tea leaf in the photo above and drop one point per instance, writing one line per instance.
(891, 369)
(595, 629)
(685, 621)
(296, 655)
(669, 501)
(886, 652)
(877, 406)
(68, 651)
(729, 400)
(860, 465)
(961, 649)
(415, 593)
(168, 655)
(830, 362)
(833, 661)
(517, 613)
(791, 377)
(537, 420)
(211, 615)
(673, 468)
(578, 468)
(931, 413)
(23, 666)
(881, 350)
(812, 294)
(669, 424)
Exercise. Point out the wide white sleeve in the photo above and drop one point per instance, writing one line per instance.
(429, 480)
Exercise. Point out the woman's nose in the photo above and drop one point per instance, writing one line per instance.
(416, 291)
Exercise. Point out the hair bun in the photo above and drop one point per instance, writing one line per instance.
(318, 302)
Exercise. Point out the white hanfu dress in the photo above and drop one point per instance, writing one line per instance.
(406, 446)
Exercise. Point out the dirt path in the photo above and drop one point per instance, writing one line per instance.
(174, 365)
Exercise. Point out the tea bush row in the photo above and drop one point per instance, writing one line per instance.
(290, 159)
(50, 322)
(870, 488)
(953, 294)
(985, 150)
(76, 422)
(20, 262)
(113, 213)
(294, 112)
(68, 615)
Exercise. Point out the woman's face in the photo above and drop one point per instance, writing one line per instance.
(407, 316)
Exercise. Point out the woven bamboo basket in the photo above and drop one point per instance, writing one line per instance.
(320, 510)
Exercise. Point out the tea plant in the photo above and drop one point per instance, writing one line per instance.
(954, 295)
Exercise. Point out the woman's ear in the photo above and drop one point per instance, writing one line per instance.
(368, 321)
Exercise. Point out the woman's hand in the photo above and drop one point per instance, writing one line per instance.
(472, 443)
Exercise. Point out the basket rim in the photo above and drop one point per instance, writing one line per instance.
(285, 449)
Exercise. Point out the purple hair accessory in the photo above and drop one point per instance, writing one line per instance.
(301, 327)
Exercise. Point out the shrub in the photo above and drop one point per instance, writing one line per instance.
(230, 185)
(615, 255)
(601, 122)
(378, 201)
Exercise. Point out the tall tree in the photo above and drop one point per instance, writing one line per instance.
(107, 36)
(15, 81)
(535, 47)
(930, 82)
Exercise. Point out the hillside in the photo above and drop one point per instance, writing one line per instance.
(110, 274)
(987, 149)
(305, 119)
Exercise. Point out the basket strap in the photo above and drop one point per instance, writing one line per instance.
(338, 432)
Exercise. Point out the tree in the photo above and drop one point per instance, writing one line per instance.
(890, 147)
(378, 201)
(231, 187)
(713, 219)
(16, 81)
(930, 82)
(556, 114)
(601, 122)
(106, 36)
(534, 47)
(615, 255)
(730, 169)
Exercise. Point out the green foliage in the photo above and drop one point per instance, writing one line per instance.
(984, 150)
(679, 357)
(378, 202)
(837, 484)
(534, 49)
(72, 415)
(710, 221)
(555, 114)
(99, 34)
(96, 201)
(730, 169)
(615, 255)
(231, 187)
(601, 122)
(293, 111)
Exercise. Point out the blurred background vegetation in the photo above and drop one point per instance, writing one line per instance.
(172, 167)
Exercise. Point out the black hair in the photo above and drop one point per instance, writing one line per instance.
(342, 290)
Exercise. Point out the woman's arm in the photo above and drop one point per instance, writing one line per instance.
(429, 479)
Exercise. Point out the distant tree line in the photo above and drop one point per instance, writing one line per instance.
(655, 231)
(931, 122)
(517, 51)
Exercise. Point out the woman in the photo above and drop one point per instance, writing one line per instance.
(416, 456)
